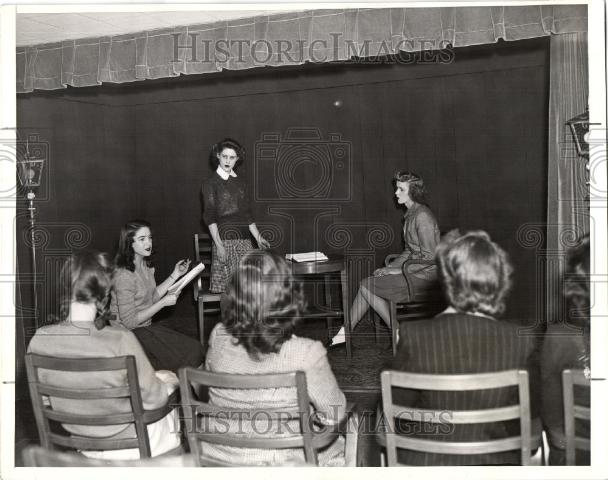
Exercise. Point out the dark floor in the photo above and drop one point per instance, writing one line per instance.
(358, 378)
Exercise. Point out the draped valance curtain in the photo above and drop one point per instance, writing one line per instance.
(284, 39)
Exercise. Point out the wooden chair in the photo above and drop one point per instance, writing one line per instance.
(197, 411)
(208, 303)
(36, 456)
(49, 421)
(422, 304)
(521, 411)
(572, 412)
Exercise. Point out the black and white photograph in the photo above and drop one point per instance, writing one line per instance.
(304, 235)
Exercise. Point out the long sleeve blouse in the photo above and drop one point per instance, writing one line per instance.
(227, 204)
(421, 236)
(83, 340)
(133, 292)
(329, 403)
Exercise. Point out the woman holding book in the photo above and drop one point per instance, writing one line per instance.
(227, 213)
(136, 299)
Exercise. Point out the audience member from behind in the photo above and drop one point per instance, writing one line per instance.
(567, 346)
(82, 331)
(136, 299)
(467, 338)
(264, 302)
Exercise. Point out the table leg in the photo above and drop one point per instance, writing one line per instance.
(346, 310)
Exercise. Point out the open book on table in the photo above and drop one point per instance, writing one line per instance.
(186, 279)
(306, 257)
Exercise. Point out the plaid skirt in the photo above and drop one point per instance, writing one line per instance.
(222, 271)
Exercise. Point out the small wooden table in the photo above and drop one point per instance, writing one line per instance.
(335, 264)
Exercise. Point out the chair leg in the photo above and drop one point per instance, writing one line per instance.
(352, 440)
(376, 325)
(201, 321)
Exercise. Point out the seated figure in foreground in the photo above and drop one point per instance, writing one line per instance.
(256, 336)
(467, 338)
(567, 346)
(83, 331)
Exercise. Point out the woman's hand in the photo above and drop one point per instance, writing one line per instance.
(263, 243)
(169, 299)
(221, 253)
(381, 272)
(180, 268)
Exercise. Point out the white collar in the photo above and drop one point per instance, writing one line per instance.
(222, 173)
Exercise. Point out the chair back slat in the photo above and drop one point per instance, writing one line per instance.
(77, 364)
(282, 380)
(194, 410)
(86, 394)
(221, 438)
(455, 416)
(584, 413)
(572, 411)
(395, 379)
(40, 391)
(72, 418)
(279, 414)
(83, 443)
(459, 448)
(478, 381)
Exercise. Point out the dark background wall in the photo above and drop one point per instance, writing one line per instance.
(475, 129)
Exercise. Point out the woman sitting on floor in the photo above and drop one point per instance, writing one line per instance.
(83, 332)
(136, 299)
(264, 302)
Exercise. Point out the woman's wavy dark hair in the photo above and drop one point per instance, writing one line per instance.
(217, 148)
(474, 271)
(264, 303)
(86, 277)
(417, 191)
(576, 283)
(125, 254)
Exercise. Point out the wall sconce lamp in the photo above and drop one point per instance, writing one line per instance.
(579, 126)
(30, 164)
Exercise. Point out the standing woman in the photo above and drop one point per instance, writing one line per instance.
(136, 299)
(227, 213)
(420, 235)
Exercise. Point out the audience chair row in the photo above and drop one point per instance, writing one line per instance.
(194, 385)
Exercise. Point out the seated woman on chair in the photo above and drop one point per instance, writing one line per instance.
(136, 299)
(421, 235)
(567, 346)
(467, 337)
(264, 302)
(83, 331)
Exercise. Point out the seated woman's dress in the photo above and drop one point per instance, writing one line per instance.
(82, 340)
(421, 235)
(304, 354)
(166, 349)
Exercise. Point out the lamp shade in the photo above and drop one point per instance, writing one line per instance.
(31, 157)
(30, 171)
(579, 126)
